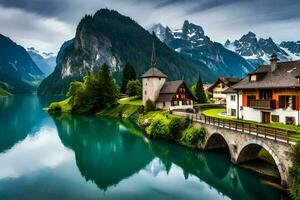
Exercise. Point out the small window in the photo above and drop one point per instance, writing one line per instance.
(233, 112)
(275, 118)
(290, 120)
(287, 102)
(250, 98)
(145, 92)
(253, 77)
(232, 98)
(164, 103)
(177, 96)
(175, 103)
(182, 96)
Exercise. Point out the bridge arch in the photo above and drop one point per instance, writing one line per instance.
(217, 141)
(249, 151)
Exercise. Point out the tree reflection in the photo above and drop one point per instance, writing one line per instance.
(105, 154)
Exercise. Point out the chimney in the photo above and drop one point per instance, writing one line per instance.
(274, 60)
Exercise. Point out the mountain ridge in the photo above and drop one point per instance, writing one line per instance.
(190, 40)
(111, 38)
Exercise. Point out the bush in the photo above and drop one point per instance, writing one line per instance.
(134, 88)
(149, 106)
(177, 126)
(55, 107)
(159, 127)
(193, 136)
(295, 172)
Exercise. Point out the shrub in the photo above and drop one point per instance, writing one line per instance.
(55, 107)
(193, 136)
(159, 127)
(134, 88)
(149, 106)
(295, 172)
(177, 126)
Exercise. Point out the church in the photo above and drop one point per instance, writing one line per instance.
(173, 95)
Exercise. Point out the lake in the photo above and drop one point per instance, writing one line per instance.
(90, 157)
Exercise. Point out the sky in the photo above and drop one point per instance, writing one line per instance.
(46, 24)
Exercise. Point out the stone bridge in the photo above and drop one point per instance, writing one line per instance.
(245, 144)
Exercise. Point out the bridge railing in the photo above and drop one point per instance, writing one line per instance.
(276, 134)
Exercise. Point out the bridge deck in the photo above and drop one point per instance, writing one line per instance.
(261, 131)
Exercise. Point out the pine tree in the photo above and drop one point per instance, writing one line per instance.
(200, 93)
(128, 75)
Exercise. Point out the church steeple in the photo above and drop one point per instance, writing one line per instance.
(153, 57)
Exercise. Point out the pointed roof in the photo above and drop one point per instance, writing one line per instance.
(153, 71)
(153, 56)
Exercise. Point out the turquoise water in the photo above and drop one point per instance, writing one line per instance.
(89, 157)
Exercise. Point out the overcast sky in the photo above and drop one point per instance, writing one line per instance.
(45, 24)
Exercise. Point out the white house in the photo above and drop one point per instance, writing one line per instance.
(269, 94)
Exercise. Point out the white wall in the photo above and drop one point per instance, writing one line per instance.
(153, 86)
(256, 115)
(231, 104)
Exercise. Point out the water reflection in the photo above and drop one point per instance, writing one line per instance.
(103, 153)
(20, 116)
(86, 157)
(106, 153)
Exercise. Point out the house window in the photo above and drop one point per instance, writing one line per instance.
(182, 96)
(159, 78)
(250, 98)
(233, 112)
(188, 103)
(287, 102)
(232, 97)
(177, 96)
(175, 103)
(275, 118)
(290, 120)
(164, 104)
(145, 92)
(265, 94)
(183, 89)
(253, 77)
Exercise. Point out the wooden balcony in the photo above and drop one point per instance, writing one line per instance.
(263, 104)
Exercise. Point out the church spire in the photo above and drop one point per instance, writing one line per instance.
(153, 57)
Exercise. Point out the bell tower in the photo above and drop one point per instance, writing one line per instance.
(152, 80)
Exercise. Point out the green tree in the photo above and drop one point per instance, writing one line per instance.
(200, 93)
(75, 88)
(134, 88)
(128, 75)
(97, 92)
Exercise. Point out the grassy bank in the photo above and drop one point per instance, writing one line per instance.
(163, 125)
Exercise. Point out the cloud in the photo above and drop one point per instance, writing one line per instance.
(29, 29)
(47, 23)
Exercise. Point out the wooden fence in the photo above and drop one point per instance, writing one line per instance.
(276, 134)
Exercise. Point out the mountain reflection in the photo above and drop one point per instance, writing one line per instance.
(103, 154)
(18, 116)
(107, 152)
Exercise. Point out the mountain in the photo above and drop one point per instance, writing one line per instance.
(111, 38)
(190, 40)
(45, 61)
(292, 48)
(18, 72)
(257, 51)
